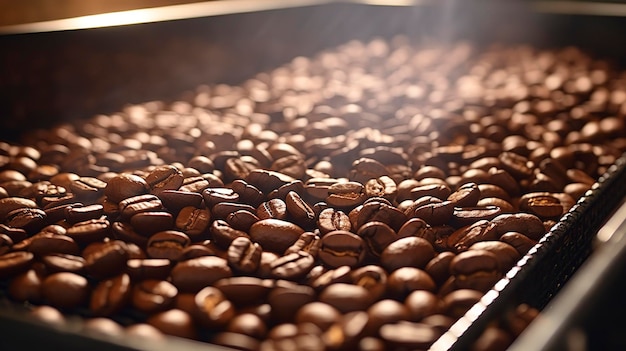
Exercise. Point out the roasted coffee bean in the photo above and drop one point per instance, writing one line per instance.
(476, 269)
(541, 204)
(384, 312)
(292, 266)
(48, 314)
(237, 168)
(381, 212)
(320, 314)
(421, 304)
(26, 287)
(440, 191)
(377, 236)
(175, 200)
(223, 209)
(345, 194)
(137, 204)
(111, 295)
(242, 220)
(124, 186)
(194, 274)
(274, 208)
(439, 267)
(402, 281)
(364, 169)
(456, 303)
(107, 259)
(245, 290)
(347, 332)
(195, 184)
(153, 295)
(10, 204)
(223, 234)
(342, 248)
(167, 244)
(408, 335)
(328, 277)
(463, 216)
(236, 340)
(174, 322)
(103, 326)
(274, 234)
(88, 188)
(292, 165)
(125, 232)
(65, 290)
(296, 186)
(148, 223)
(464, 237)
(75, 214)
(436, 213)
(506, 254)
(299, 210)
(331, 219)
(164, 178)
(89, 231)
(247, 193)
(29, 219)
(287, 298)
(47, 243)
(419, 228)
(517, 165)
(504, 206)
(15, 234)
(384, 187)
(346, 297)
(148, 268)
(371, 277)
(5, 244)
(192, 221)
(16, 262)
(267, 180)
(407, 252)
(42, 189)
(213, 310)
(525, 223)
(317, 188)
(519, 241)
(244, 255)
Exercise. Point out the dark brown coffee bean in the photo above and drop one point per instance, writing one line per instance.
(65, 290)
(421, 304)
(266, 180)
(464, 237)
(504, 206)
(247, 193)
(381, 212)
(384, 187)
(439, 191)
(476, 269)
(89, 231)
(439, 267)
(320, 314)
(274, 234)
(404, 280)
(292, 266)
(125, 186)
(348, 331)
(103, 326)
(287, 298)
(167, 244)
(456, 303)
(238, 168)
(26, 287)
(408, 335)
(47, 243)
(16, 262)
(244, 290)
(419, 228)
(111, 295)
(48, 314)
(195, 184)
(15, 234)
(164, 178)
(371, 277)
(175, 200)
(88, 188)
(107, 260)
(506, 254)
(324, 278)
(153, 295)
(407, 252)
(5, 244)
(213, 310)
(137, 204)
(292, 165)
(193, 221)
(174, 322)
(364, 169)
(75, 214)
(541, 204)
(244, 255)
(242, 333)
(299, 210)
(317, 188)
(296, 186)
(525, 223)
(342, 248)
(491, 190)
(377, 236)
(307, 242)
(504, 180)
(463, 216)
(148, 223)
(274, 208)
(194, 274)
(39, 190)
(346, 194)
(346, 297)
(29, 219)
(517, 165)
(242, 220)
(519, 241)
(384, 312)
(10, 204)
(125, 232)
(148, 268)
(331, 219)
(222, 234)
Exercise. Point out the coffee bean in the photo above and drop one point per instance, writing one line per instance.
(274, 234)
(464, 237)
(103, 326)
(167, 244)
(519, 241)
(419, 228)
(247, 193)
(111, 295)
(75, 214)
(148, 223)
(541, 204)
(440, 191)
(377, 236)
(175, 200)
(10, 204)
(245, 290)
(65, 290)
(148, 268)
(164, 178)
(291, 165)
(404, 280)
(456, 303)
(331, 219)
(384, 312)
(292, 266)
(174, 322)
(13, 263)
(193, 221)
(26, 287)
(517, 165)
(274, 208)
(196, 273)
(213, 310)
(384, 187)
(381, 212)
(371, 277)
(242, 220)
(223, 209)
(87, 188)
(267, 180)
(244, 255)
(525, 223)
(299, 210)
(317, 188)
(407, 252)
(342, 248)
(463, 216)
(345, 194)
(125, 186)
(195, 184)
(439, 267)
(125, 232)
(15, 234)
(107, 259)
(48, 243)
(287, 298)
(346, 297)
(506, 254)
(137, 204)
(476, 269)
(307, 242)
(364, 169)
(320, 314)
(153, 295)
(421, 304)
(408, 335)
(324, 278)
(223, 234)
(89, 231)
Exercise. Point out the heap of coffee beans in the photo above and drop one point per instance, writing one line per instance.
(363, 199)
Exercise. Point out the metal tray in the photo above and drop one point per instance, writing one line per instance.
(57, 74)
